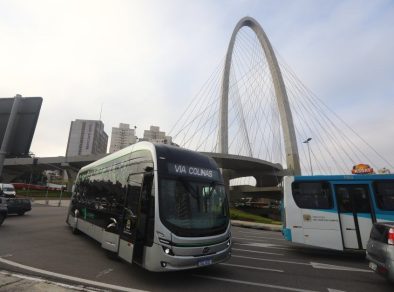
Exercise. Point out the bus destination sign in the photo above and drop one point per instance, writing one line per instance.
(187, 170)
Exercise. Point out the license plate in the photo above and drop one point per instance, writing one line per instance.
(205, 262)
(373, 266)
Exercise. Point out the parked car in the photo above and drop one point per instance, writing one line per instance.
(7, 190)
(380, 249)
(3, 210)
(18, 206)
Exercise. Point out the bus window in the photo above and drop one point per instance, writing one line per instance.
(385, 195)
(344, 201)
(353, 198)
(312, 195)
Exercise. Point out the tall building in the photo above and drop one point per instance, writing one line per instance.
(122, 137)
(154, 135)
(86, 137)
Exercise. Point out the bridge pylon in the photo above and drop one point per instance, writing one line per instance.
(289, 136)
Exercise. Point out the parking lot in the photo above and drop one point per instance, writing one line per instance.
(261, 260)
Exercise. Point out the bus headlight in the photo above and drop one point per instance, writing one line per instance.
(167, 250)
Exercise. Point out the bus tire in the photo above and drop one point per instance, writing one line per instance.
(2, 217)
(112, 255)
(75, 230)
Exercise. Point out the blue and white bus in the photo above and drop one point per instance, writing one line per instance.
(335, 212)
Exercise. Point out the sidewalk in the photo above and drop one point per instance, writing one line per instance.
(53, 202)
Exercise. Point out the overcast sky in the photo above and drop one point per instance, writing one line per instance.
(145, 60)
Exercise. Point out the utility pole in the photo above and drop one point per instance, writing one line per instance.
(309, 151)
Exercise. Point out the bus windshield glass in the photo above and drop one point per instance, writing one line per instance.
(193, 208)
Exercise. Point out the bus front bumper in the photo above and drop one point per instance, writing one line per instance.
(157, 261)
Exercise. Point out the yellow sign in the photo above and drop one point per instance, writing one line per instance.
(362, 169)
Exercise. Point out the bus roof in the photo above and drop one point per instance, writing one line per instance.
(170, 152)
(125, 151)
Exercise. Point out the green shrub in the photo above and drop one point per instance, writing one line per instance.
(244, 216)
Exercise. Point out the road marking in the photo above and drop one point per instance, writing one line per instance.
(334, 290)
(254, 284)
(255, 251)
(251, 267)
(69, 278)
(340, 268)
(312, 264)
(102, 273)
(6, 255)
(39, 280)
(271, 260)
(265, 245)
(260, 237)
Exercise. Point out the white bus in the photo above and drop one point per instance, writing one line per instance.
(162, 207)
(335, 212)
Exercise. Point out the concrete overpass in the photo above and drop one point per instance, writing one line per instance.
(267, 174)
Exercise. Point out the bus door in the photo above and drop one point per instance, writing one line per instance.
(355, 214)
(136, 217)
(130, 217)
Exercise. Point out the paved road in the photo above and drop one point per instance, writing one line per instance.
(261, 260)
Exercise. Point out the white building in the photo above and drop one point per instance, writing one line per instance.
(122, 137)
(86, 137)
(154, 135)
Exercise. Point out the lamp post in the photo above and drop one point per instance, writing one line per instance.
(309, 151)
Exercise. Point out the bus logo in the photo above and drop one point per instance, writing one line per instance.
(205, 250)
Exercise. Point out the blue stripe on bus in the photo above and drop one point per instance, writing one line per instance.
(286, 233)
(388, 215)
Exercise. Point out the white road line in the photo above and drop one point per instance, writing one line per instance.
(255, 251)
(102, 273)
(254, 284)
(39, 280)
(69, 278)
(6, 255)
(260, 237)
(251, 267)
(311, 264)
(265, 245)
(271, 260)
(338, 268)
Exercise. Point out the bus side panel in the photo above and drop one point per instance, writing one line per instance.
(321, 228)
(293, 216)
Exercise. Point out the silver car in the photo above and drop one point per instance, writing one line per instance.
(380, 249)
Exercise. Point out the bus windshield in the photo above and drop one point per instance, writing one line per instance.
(193, 208)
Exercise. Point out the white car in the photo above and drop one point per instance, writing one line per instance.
(7, 190)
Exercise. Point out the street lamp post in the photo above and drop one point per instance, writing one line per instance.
(309, 152)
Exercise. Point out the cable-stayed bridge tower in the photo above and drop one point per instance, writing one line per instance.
(289, 135)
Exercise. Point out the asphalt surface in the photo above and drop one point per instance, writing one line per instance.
(261, 260)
